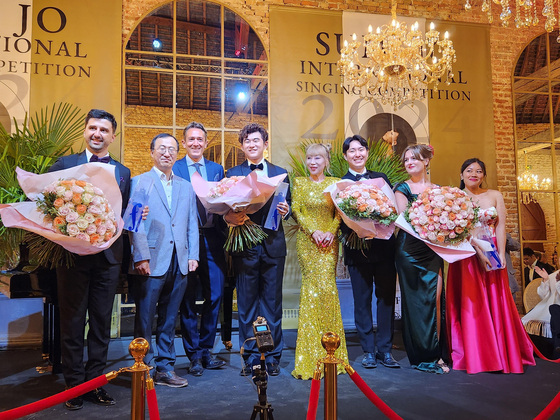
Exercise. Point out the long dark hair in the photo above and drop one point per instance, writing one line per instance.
(468, 163)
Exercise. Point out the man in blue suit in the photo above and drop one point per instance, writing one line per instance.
(164, 251)
(89, 286)
(210, 273)
(259, 271)
(374, 264)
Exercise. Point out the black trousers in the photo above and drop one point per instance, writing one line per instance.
(362, 277)
(88, 287)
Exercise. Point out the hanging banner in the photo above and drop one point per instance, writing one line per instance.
(372, 120)
(15, 61)
(73, 61)
(306, 100)
(461, 114)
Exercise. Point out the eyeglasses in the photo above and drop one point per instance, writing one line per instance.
(162, 149)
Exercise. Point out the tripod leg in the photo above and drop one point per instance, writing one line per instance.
(254, 415)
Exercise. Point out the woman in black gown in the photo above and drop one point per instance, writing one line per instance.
(420, 275)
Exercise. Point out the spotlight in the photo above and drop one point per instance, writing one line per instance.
(157, 45)
(241, 91)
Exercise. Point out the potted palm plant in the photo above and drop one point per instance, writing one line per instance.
(34, 146)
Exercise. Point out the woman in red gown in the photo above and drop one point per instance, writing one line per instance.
(485, 330)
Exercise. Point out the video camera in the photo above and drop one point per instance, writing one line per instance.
(263, 335)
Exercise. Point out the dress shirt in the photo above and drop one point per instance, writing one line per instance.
(532, 270)
(192, 167)
(356, 173)
(89, 155)
(166, 184)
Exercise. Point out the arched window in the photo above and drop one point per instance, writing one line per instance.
(536, 91)
(192, 60)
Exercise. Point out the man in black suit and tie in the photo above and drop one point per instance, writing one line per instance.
(530, 260)
(377, 263)
(259, 271)
(210, 274)
(90, 285)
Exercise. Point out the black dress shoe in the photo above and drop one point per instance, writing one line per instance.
(196, 368)
(387, 360)
(369, 361)
(208, 362)
(246, 371)
(74, 404)
(100, 397)
(273, 369)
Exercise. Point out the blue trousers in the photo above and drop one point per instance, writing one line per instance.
(162, 294)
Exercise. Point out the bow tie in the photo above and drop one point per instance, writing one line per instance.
(260, 166)
(104, 159)
(360, 176)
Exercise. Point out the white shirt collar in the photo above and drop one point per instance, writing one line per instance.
(357, 173)
(162, 176)
(89, 155)
(192, 162)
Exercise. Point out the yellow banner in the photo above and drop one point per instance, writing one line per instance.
(76, 56)
(461, 114)
(15, 58)
(306, 100)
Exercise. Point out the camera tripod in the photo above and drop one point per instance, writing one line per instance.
(263, 408)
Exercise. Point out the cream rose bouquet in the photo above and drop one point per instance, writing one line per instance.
(76, 208)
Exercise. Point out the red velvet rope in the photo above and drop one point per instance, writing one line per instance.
(550, 409)
(313, 399)
(384, 408)
(538, 353)
(37, 406)
(152, 404)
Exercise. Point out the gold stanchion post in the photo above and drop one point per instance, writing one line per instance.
(331, 342)
(138, 349)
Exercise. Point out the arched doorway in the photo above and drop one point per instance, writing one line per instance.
(193, 60)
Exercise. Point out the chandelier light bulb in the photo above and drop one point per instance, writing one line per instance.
(378, 30)
(432, 26)
(393, 22)
(345, 43)
(434, 60)
(353, 37)
(370, 29)
(446, 35)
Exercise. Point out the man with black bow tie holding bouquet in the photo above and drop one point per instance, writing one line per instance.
(259, 271)
(375, 263)
(91, 283)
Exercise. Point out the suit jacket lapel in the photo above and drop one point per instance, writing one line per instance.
(245, 170)
(159, 189)
(81, 158)
(175, 194)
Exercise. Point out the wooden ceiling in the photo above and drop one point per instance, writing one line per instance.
(532, 104)
(198, 32)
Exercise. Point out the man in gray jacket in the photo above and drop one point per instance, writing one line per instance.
(164, 251)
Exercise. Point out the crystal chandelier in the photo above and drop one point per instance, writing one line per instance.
(529, 181)
(398, 64)
(526, 13)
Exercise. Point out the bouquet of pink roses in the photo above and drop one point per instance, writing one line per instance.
(367, 207)
(443, 217)
(77, 208)
(238, 193)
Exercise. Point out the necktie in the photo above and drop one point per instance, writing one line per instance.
(201, 210)
(260, 166)
(104, 159)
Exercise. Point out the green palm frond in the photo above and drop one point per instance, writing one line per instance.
(380, 160)
(33, 146)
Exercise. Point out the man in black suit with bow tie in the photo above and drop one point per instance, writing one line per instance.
(259, 271)
(377, 263)
(91, 283)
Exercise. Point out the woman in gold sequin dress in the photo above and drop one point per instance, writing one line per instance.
(317, 250)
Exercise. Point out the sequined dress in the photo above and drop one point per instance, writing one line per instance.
(484, 328)
(319, 305)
